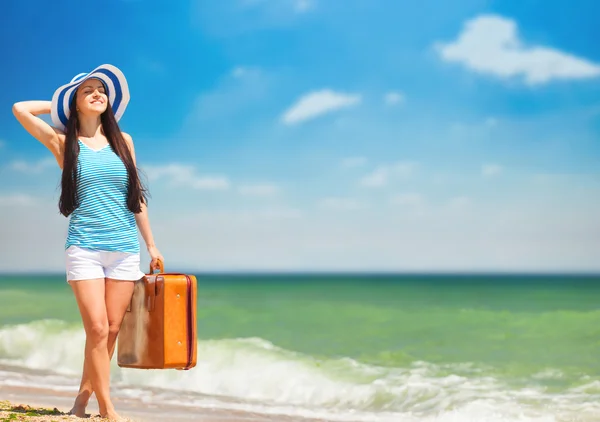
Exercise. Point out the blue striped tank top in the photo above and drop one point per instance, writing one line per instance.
(102, 220)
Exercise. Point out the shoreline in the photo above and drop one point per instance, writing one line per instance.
(39, 404)
(349, 273)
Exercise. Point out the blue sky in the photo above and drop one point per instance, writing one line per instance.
(327, 135)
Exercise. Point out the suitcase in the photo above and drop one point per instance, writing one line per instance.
(159, 327)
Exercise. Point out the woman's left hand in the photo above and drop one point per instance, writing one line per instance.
(155, 256)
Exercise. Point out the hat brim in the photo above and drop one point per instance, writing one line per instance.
(116, 86)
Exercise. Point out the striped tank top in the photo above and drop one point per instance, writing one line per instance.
(102, 220)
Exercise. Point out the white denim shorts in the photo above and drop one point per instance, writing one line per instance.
(86, 264)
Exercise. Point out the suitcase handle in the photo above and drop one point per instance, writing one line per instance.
(161, 267)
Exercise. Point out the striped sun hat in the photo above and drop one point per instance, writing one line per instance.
(116, 89)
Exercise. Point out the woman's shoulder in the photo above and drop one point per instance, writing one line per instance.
(128, 139)
(129, 142)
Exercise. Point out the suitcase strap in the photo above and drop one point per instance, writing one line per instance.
(190, 324)
(189, 321)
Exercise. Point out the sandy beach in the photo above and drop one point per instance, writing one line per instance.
(37, 404)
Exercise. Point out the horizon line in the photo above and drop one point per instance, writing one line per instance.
(267, 272)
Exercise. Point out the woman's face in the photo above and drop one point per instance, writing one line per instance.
(91, 98)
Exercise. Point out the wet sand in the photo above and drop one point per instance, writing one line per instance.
(53, 406)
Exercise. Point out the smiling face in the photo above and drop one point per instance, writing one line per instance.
(91, 98)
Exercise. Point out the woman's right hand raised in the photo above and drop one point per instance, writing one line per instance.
(52, 138)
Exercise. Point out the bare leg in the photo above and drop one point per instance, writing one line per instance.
(85, 392)
(117, 295)
(90, 299)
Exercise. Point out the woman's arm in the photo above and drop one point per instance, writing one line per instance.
(141, 218)
(26, 113)
(143, 223)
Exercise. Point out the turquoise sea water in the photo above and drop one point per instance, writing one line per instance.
(352, 347)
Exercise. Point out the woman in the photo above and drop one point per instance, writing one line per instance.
(105, 201)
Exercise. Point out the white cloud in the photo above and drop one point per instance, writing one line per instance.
(281, 213)
(529, 236)
(317, 103)
(393, 98)
(178, 173)
(377, 178)
(490, 44)
(547, 178)
(151, 65)
(258, 190)
(557, 232)
(2, 143)
(281, 6)
(16, 199)
(36, 231)
(236, 93)
(238, 72)
(489, 170)
(382, 174)
(186, 175)
(210, 183)
(475, 129)
(353, 162)
(245, 71)
(460, 202)
(37, 167)
(491, 122)
(342, 203)
(253, 3)
(411, 199)
(302, 6)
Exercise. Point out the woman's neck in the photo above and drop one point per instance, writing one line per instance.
(89, 127)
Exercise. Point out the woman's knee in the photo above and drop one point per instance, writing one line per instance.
(98, 331)
(113, 329)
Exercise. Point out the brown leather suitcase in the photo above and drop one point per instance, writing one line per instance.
(159, 327)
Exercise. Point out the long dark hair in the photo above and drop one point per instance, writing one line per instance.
(136, 192)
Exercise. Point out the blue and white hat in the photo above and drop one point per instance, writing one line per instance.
(116, 86)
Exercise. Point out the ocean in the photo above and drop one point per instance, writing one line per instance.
(345, 347)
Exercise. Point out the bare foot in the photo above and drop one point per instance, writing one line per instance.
(78, 411)
(113, 417)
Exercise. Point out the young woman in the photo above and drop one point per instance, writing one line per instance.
(105, 201)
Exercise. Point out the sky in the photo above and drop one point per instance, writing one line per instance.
(322, 135)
